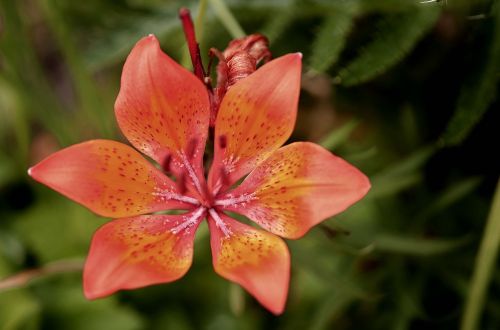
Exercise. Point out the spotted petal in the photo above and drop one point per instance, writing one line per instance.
(162, 108)
(255, 259)
(256, 116)
(134, 252)
(297, 187)
(109, 178)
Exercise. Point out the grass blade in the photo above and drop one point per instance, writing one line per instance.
(339, 136)
(227, 19)
(484, 266)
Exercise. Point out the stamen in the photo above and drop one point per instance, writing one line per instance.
(166, 163)
(191, 172)
(223, 178)
(232, 201)
(189, 221)
(220, 223)
(221, 181)
(191, 148)
(167, 195)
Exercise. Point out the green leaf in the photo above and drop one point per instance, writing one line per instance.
(36, 228)
(68, 309)
(451, 195)
(479, 91)
(116, 44)
(387, 6)
(408, 165)
(278, 23)
(339, 136)
(18, 310)
(402, 175)
(422, 247)
(24, 74)
(89, 98)
(227, 18)
(331, 308)
(236, 299)
(396, 36)
(331, 37)
(382, 188)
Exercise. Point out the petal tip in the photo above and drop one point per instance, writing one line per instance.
(299, 55)
(30, 171)
(91, 293)
(367, 185)
(150, 39)
(277, 310)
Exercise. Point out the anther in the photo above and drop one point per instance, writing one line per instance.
(181, 183)
(166, 163)
(223, 141)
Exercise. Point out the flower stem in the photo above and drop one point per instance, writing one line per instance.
(57, 267)
(194, 48)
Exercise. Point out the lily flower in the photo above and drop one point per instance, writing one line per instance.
(164, 111)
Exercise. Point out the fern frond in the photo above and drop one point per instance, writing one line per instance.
(477, 93)
(396, 36)
(114, 46)
(330, 40)
(279, 22)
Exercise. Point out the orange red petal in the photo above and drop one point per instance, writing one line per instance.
(134, 252)
(162, 108)
(108, 177)
(255, 259)
(256, 116)
(297, 187)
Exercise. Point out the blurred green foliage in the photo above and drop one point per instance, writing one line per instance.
(405, 90)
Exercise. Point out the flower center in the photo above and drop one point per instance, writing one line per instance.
(204, 199)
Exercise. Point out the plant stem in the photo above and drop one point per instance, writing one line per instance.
(484, 267)
(57, 267)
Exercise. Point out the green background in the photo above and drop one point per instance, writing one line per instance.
(405, 90)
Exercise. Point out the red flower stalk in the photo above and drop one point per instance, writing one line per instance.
(164, 112)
